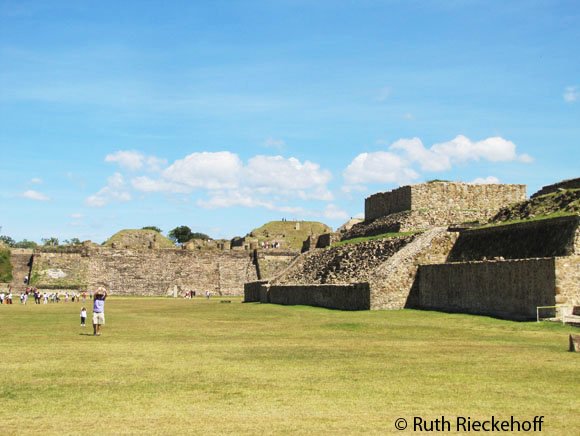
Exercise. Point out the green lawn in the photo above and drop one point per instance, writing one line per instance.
(167, 366)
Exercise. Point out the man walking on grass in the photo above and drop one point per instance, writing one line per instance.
(99, 310)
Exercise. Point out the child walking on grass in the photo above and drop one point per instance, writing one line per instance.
(83, 316)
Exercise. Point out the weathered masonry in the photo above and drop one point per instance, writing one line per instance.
(453, 202)
(504, 270)
(353, 296)
(151, 271)
(507, 289)
(564, 184)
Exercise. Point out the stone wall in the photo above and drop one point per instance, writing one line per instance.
(465, 196)
(252, 291)
(273, 261)
(568, 280)
(386, 203)
(19, 259)
(327, 239)
(340, 296)
(565, 184)
(454, 202)
(309, 243)
(410, 220)
(506, 289)
(542, 238)
(145, 272)
(61, 270)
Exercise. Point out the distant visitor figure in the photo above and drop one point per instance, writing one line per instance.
(83, 316)
(99, 310)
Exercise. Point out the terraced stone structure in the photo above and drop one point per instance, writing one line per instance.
(473, 201)
(564, 184)
(503, 270)
(135, 262)
(432, 204)
(506, 270)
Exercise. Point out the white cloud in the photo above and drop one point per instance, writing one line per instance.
(207, 170)
(416, 152)
(244, 198)
(77, 216)
(397, 165)
(379, 167)
(462, 149)
(35, 195)
(155, 164)
(233, 198)
(288, 177)
(114, 191)
(230, 182)
(146, 184)
(277, 144)
(490, 180)
(134, 160)
(36, 181)
(525, 158)
(571, 94)
(131, 160)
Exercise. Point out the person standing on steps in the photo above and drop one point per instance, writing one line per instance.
(99, 310)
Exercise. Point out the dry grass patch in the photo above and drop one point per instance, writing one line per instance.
(167, 366)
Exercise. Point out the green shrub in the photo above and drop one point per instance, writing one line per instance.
(5, 266)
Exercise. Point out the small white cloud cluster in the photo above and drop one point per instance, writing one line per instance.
(278, 183)
(263, 181)
(35, 195)
(277, 144)
(406, 157)
(134, 161)
(490, 180)
(571, 94)
(115, 190)
(229, 180)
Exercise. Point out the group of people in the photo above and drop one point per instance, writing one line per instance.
(191, 294)
(6, 298)
(98, 298)
(43, 297)
(266, 245)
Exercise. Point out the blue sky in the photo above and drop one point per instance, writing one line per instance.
(223, 115)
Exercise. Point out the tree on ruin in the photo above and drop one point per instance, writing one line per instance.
(25, 243)
(50, 242)
(180, 234)
(7, 240)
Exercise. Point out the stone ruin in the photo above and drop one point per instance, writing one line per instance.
(444, 262)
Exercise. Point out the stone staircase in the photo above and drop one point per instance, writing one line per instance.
(19, 258)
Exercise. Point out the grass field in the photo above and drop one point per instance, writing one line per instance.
(167, 366)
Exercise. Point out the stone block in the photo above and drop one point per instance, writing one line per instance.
(575, 343)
